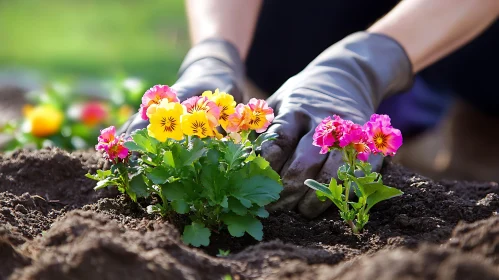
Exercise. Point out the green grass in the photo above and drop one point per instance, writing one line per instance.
(94, 38)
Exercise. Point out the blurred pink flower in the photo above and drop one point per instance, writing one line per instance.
(154, 95)
(93, 113)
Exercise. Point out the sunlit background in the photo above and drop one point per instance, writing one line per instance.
(94, 38)
(70, 68)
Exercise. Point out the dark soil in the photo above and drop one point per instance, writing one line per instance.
(53, 225)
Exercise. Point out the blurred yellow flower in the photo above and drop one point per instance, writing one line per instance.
(225, 103)
(197, 124)
(43, 121)
(165, 121)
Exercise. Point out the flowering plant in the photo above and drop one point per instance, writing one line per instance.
(61, 115)
(183, 160)
(356, 143)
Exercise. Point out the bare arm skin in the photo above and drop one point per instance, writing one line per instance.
(431, 29)
(232, 20)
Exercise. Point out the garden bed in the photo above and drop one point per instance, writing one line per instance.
(53, 225)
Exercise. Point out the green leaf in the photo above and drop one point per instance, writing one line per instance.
(266, 136)
(196, 234)
(260, 166)
(132, 146)
(318, 187)
(159, 174)
(237, 207)
(168, 158)
(144, 143)
(138, 186)
(261, 212)
(186, 156)
(321, 196)
(214, 182)
(180, 206)
(238, 225)
(336, 190)
(173, 191)
(342, 172)
(105, 182)
(381, 194)
(235, 154)
(256, 189)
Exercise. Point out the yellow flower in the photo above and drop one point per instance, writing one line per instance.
(197, 124)
(225, 103)
(165, 121)
(43, 121)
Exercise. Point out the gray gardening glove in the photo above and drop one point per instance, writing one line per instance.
(349, 79)
(211, 64)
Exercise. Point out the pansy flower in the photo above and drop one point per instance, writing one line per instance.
(240, 119)
(261, 115)
(197, 123)
(165, 121)
(203, 104)
(225, 103)
(154, 96)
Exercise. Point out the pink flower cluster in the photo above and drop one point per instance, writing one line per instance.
(112, 146)
(375, 136)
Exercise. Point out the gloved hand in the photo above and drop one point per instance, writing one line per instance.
(211, 64)
(349, 79)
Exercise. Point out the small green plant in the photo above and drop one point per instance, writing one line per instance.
(223, 253)
(356, 143)
(218, 181)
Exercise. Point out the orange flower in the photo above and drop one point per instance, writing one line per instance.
(43, 121)
(240, 120)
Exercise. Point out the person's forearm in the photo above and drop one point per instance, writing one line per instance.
(431, 29)
(234, 21)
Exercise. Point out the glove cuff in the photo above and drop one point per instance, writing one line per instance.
(214, 48)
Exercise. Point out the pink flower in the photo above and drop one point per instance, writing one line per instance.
(261, 115)
(112, 146)
(383, 119)
(328, 132)
(154, 95)
(383, 138)
(93, 113)
(358, 138)
(240, 119)
(201, 103)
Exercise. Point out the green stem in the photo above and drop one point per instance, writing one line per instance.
(354, 228)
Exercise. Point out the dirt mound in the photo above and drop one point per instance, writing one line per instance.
(481, 237)
(429, 262)
(11, 258)
(87, 245)
(24, 217)
(111, 237)
(55, 175)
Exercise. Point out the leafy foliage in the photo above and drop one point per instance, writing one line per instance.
(218, 184)
(369, 189)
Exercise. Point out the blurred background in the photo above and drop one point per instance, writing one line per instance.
(93, 39)
(70, 68)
